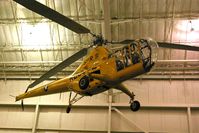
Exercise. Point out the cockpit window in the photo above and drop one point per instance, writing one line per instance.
(136, 52)
(145, 50)
(127, 56)
(146, 54)
(135, 57)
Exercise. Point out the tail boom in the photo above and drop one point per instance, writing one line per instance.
(58, 86)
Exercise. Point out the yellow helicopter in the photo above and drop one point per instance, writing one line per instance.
(101, 69)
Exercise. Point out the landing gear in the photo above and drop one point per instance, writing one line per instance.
(68, 108)
(71, 102)
(135, 105)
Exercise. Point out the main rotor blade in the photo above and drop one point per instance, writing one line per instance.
(60, 67)
(53, 15)
(177, 46)
(127, 41)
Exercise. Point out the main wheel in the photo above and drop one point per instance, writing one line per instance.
(84, 82)
(135, 106)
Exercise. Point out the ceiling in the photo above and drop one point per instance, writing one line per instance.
(31, 44)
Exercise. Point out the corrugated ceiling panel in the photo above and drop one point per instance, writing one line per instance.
(66, 7)
(5, 14)
(8, 34)
(2, 36)
(194, 6)
(152, 8)
(11, 56)
(146, 18)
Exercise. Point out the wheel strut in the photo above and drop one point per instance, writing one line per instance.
(68, 108)
(134, 105)
(71, 102)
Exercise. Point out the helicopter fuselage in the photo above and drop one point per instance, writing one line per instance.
(101, 70)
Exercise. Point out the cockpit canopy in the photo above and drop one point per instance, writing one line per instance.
(143, 50)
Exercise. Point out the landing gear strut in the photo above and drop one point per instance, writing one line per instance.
(68, 108)
(71, 102)
(134, 104)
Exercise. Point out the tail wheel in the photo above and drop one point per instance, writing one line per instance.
(68, 108)
(135, 106)
(84, 82)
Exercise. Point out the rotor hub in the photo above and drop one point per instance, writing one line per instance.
(99, 40)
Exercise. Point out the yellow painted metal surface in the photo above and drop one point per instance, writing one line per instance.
(93, 59)
(61, 85)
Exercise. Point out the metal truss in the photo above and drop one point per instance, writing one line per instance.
(164, 69)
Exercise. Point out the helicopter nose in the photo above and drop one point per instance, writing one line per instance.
(154, 49)
(148, 52)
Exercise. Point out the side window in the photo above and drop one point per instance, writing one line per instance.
(119, 60)
(127, 56)
(145, 50)
(119, 64)
(135, 57)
